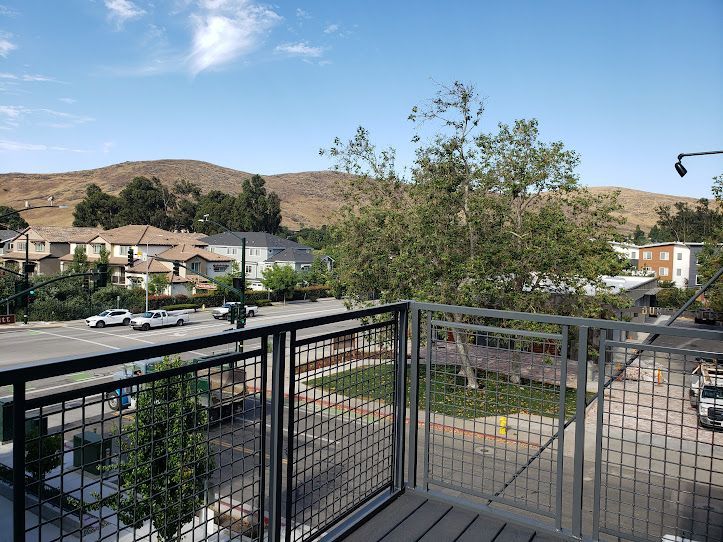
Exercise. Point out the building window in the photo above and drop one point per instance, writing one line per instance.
(664, 255)
(249, 269)
(195, 266)
(633, 254)
(123, 250)
(678, 272)
(662, 271)
(647, 255)
(679, 256)
(698, 281)
(20, 246)
(98, 247)
(39, 246)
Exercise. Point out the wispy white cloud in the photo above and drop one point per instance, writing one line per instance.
(68, 100)
(7, 12)
(19, 146)
(121, 11)
(34, 77)
(224, 30)
(6, 45)
(302, 49)
(108, 146)
(12, 116)
(301, 14)
(331, 29)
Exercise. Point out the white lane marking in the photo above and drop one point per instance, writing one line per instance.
(66, 385)
(308, 435)
(293, 315)
(78, 339)
(114, 335)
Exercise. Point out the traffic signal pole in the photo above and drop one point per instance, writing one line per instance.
(26, 282)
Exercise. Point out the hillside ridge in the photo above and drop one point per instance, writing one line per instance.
(308, 198)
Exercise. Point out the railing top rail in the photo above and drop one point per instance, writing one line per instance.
(35, 370)
(708, 334)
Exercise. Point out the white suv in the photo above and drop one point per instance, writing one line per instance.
(110, 317)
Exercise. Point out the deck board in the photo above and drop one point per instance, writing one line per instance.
(416, 517)
(419, 522)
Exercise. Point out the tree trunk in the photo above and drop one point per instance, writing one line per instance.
(466, 369)
(515, 368)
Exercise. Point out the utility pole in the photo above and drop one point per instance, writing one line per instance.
(26, 282)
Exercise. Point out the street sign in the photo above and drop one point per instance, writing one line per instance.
(7, 318)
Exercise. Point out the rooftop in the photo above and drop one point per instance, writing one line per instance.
(185, 252)
(253, 239)
(136, 234)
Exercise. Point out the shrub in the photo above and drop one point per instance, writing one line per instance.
(181, 306)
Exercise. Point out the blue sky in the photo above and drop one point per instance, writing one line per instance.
(261, 87)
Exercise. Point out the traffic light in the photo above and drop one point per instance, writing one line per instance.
(232, 313)
(86, 283)
(101, 275)
(176, 269)
(130, 257)
(241, 322)
(31, 296)
(238, 283)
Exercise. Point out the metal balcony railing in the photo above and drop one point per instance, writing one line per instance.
(580, 426)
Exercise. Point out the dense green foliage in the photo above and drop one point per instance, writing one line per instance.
(13, 221)
(711, 257)
(149, 201)
(281, 280)
(165, 456)
(43, 453)
(485, 220)
(687, 224)
(674, 298)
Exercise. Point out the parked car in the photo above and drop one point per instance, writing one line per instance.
(159, 318)
(706, 393)
(222, 312)
(110, 317)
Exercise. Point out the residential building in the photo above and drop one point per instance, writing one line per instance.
(6, 237)
(628, 251)
(263, 250)
(47, 246)
(145, 241)
(675, 262)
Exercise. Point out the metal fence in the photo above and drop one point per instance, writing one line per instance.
(584, 425)
(202, 439)
(579, 424)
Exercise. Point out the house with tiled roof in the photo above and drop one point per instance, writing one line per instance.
(145, 241)
(47, 246)
(194, 260)
(263, 250)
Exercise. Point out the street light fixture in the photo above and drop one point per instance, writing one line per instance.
(679, 166)
(241, 322)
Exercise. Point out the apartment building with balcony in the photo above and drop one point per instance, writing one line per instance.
(675, 262)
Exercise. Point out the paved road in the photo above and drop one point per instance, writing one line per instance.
(47, 341)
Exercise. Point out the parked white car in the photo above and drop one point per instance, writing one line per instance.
(221, 313)
(110, 317)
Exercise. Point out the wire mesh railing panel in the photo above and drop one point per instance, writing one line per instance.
(341, 437)
(493, 398)
(661, 464)
(167, 449)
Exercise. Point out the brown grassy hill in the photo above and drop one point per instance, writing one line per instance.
(639, 206)
(308, 198)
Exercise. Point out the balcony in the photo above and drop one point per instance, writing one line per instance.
(408, 421)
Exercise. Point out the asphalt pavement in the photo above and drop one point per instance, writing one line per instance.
(42, 341)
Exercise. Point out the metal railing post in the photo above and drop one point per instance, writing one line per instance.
(427, 402)
(290, 439)
(413, 402)
(598, 438)
(19, 461)
(562, 419)
(277, 437)
(580, 410)
(401, 398)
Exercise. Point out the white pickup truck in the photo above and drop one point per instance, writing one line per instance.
(159, 318)
(221, 313)
(706, 393)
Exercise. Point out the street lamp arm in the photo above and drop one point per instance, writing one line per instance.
(18, 211)
(683, 154)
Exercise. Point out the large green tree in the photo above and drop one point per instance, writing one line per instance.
(165, 457)
(97, 209)
(495, 220)
(147, 201)
(711, 257)
(281, 280)
(13, 221)
(686, 224)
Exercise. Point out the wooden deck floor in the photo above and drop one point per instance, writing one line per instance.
(415, 517)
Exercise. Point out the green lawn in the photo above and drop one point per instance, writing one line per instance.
(450, 396)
